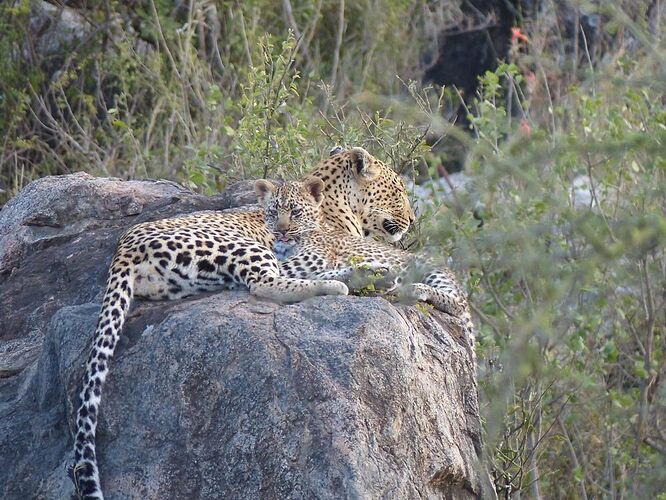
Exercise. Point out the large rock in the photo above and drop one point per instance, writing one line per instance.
(55, 31)
(219, 395)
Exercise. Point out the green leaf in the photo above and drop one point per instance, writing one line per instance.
(611, 353)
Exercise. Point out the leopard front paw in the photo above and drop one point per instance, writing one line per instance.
(333, 287)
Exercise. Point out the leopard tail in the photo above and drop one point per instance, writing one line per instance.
(117, 300)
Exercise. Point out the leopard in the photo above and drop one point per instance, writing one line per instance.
(309, 247)
(214, 250)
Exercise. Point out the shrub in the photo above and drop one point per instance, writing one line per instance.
(567, 276)
(559, 233)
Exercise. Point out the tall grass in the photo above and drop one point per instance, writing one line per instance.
(163, 92)
(559, 234)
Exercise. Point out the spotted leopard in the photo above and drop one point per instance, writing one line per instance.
(206, 251)
(311, 248)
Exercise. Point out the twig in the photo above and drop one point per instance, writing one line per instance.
(645, 382)
(246, 44)
(288, 13)
(338, 41)
(486, 319)
(589, 59)
(496, 297)
(633, 330)
(572, 455)
(276, 98)
(454, 192)
(415, 144)
(174, 66)
(310, 30)
(653, 444)
(467, 111)
(594, 195)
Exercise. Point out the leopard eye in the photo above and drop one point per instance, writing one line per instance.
(296, 212)
(271, 212)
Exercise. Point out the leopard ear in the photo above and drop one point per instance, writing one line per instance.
(315, 187)
(362, 164)
(264, 190)
(335, 150)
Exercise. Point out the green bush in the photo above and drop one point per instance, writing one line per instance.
(567, 278)
(163, 92)
(558, 235)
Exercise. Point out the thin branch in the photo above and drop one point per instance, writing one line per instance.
(174, 66)
(271, 110)
(338, 41)
(486, 319)
(654, 444)
(246, 44)
(467, 111)
(496, 297)
(289, 14)
(312, 27)
(572, 455)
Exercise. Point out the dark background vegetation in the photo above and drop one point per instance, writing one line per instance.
(553, 109)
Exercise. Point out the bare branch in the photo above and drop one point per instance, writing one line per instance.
(338, 41)
(288, 13)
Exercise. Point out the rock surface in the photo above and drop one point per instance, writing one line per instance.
(219, 395)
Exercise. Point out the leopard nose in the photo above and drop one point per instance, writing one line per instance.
(391, 227)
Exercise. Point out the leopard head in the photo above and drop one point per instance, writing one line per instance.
(364, 195)
(292, 209)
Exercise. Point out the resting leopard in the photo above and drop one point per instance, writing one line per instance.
(310, 248)
(207, 251)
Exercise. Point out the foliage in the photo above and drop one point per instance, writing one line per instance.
(559, 234)
(567, 279)
(203, 93)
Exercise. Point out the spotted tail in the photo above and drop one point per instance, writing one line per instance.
(84, 472)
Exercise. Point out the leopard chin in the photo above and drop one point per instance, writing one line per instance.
(284, 248)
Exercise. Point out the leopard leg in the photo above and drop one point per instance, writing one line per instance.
(287, 290)
(441, 289)
(342, 274)
(314, 267)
